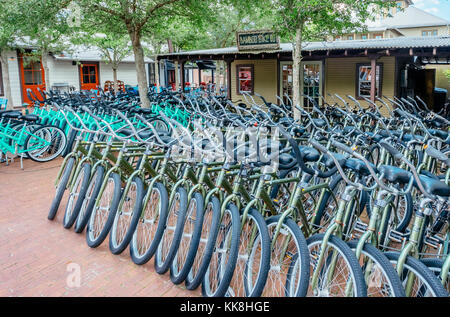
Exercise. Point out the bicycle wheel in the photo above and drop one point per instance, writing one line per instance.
(435, 266)
(190, 238)
(127, 216)
(253, 261)
(173, 231)
(89, 199)
(207, 237)
(60, 188)
(149, 230)
(289, 260)
(424, 282)
(104, 211)
(381, 278)
(76, 196)
(45, 144)
(223, 260)
(339, 273)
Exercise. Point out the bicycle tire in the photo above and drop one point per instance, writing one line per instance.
(353, 266)
(79, 190)
(112, 204)
(156, 221)
(435, 266)
(62, 139)
(224, 271)
(171, 237)
(204, 251)
(386, 268)
(296, 260)
(89, 198)
(252, 266)
(136, 209)
(420, 270)
(61, 187)
(191, 234)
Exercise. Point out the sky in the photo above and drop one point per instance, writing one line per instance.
(440, 8)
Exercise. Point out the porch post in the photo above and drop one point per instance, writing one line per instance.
(157, 74)
(182, 75)
(177, 76)
(373, 83)
(229, 78)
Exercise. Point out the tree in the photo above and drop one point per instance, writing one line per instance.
(47, 28)
(113, 46)
(300, 20)
(137, 17)
(11, 19)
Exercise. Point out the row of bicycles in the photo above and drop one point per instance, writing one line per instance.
(257, 199)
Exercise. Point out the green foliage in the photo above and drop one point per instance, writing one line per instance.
(321, 18)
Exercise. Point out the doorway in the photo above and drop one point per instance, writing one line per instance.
(310, 83)
(89, 78)
(32, 76)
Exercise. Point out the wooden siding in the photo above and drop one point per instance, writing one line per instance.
(340, 77)
(265, 81)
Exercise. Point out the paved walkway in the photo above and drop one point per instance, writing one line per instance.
(39, 257)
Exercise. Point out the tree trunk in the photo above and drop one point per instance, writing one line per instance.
(116, 84)
(6, 80)
(44, 59)
(140, 69)
(296, 70)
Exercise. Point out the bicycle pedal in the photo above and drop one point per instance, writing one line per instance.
(433, 241)
(398, 236)
(360, 227)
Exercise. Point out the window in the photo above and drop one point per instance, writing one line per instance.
(350, 37)
(245, 79)
(378, 36)
(364, 80)
(32, 71)
(430, 33)
(2, 93)
(364, 37)
(89, 74)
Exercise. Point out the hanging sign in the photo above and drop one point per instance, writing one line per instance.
(257, 40)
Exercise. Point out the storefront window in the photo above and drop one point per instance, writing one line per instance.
(364, 83)
(245, 79)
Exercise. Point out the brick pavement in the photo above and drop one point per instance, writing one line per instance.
(38, 257)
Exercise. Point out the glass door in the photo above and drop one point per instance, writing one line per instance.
(286, 83)
(33, 76)
(311, 83)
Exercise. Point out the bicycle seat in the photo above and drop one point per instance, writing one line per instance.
(395, 174)
(439, 133)
(329, 162)
(431, 175)
(30, 117)
(287, 161)
(434, 187)
(358, 166)
(320, 122)
(309, 154)
(11, 115)
(375, 137)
